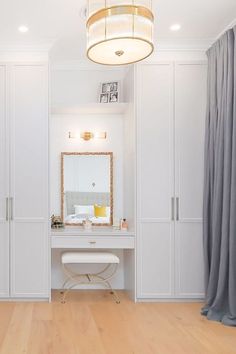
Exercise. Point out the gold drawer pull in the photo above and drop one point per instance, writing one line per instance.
(92, 242)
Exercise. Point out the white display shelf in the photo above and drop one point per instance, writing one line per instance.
(91, 108)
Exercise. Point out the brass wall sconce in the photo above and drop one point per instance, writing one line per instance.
(88, 135)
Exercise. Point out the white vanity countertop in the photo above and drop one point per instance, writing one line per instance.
(96, 231)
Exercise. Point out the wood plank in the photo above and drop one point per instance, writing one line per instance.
(17, 335)
(6, 310)
(92, 323)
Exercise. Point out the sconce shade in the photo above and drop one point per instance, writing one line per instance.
(88, 135)
(100, 135)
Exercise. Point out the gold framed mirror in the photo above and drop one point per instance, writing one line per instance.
(87, 188)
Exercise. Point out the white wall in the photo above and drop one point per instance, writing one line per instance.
(60, 125)
(129, 148)
(72, 85)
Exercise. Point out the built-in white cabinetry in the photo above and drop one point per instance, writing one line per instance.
(24, 243)
(190, 108)
(4, 186)
(171, 99)
(155, 152)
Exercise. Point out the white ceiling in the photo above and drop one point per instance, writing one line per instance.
(59, 22)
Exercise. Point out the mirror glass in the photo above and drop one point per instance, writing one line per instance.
(87, 188)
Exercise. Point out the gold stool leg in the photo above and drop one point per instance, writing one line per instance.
(97, 278)
(113, 292)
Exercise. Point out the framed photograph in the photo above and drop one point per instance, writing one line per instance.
(114, 87)
(104, 98)
(104, 88)
(109, 92)
(113, 97)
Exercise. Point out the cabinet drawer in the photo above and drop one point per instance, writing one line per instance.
(123, 242)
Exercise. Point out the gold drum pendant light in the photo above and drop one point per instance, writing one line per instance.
(119, 32)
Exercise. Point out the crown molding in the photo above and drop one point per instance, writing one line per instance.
(26, 56)
(19, 48)
(190, 45)
(17, 52)
(230, 25)
(83, 64)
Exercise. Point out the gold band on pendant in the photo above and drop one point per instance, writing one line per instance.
(120, 10)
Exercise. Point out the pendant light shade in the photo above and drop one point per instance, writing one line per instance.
(119, 32)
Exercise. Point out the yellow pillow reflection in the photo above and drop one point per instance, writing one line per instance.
(100, 211)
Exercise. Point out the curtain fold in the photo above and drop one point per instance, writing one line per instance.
(219, 202)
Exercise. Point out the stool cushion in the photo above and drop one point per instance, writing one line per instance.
(89, 257)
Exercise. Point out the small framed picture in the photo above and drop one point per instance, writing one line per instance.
(104, 98)
(114, 87)
(109, 92)
(104, 88)
(113, 97)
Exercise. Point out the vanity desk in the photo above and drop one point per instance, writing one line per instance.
(97, 238)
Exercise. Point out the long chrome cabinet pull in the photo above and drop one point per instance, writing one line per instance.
(172, 208)
(11, 208)
(7, 208)
(177, 208)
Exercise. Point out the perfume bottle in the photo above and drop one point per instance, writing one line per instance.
(124, 225)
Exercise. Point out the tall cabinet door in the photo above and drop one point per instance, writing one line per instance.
(4, 177)
(190, 106)
(29, 181)
(155, 180)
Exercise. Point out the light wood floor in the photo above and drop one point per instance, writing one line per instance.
(91, 323)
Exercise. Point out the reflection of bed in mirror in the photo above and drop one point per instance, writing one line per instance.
(87, 187)
(79, 206)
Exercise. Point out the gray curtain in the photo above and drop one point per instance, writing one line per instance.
(219, 209)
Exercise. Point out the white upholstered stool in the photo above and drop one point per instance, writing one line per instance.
(110, 260)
